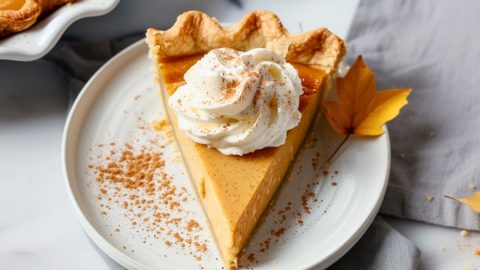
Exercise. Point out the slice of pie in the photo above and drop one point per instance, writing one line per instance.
(18, 15)
(236, 189)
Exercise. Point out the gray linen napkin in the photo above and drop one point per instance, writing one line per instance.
(380, 248)
(433, 47)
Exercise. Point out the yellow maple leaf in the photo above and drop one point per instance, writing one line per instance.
(360, 109)
(472, 201)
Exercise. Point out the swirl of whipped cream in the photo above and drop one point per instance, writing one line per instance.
(238, 102)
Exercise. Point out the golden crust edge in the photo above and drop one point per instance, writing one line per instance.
(13, 21)
(195, 32)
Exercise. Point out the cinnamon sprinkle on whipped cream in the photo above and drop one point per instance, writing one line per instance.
(239, 102)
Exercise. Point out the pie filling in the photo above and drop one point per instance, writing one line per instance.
(11, 4)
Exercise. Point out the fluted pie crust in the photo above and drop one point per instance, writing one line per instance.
(235, 190)
(195, 32)
(12, 21)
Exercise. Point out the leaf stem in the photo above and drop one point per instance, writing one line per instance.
(338, 148)
(450, 197)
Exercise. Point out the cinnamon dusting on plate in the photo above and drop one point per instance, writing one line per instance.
(134, 179)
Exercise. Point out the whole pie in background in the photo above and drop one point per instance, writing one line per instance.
(236, 189)
(18, 15)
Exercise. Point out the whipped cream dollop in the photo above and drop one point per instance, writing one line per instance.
(238, 102)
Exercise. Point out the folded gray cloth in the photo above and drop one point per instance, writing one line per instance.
(380, 248)
(432, 47)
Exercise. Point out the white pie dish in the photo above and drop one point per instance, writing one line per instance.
(39, 39)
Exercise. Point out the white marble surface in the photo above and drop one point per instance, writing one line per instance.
(38, 229)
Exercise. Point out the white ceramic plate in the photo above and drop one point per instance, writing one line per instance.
(38, 40)
(117, 105)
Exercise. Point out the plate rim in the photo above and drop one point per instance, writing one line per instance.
(12, 51)
(125, 260)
